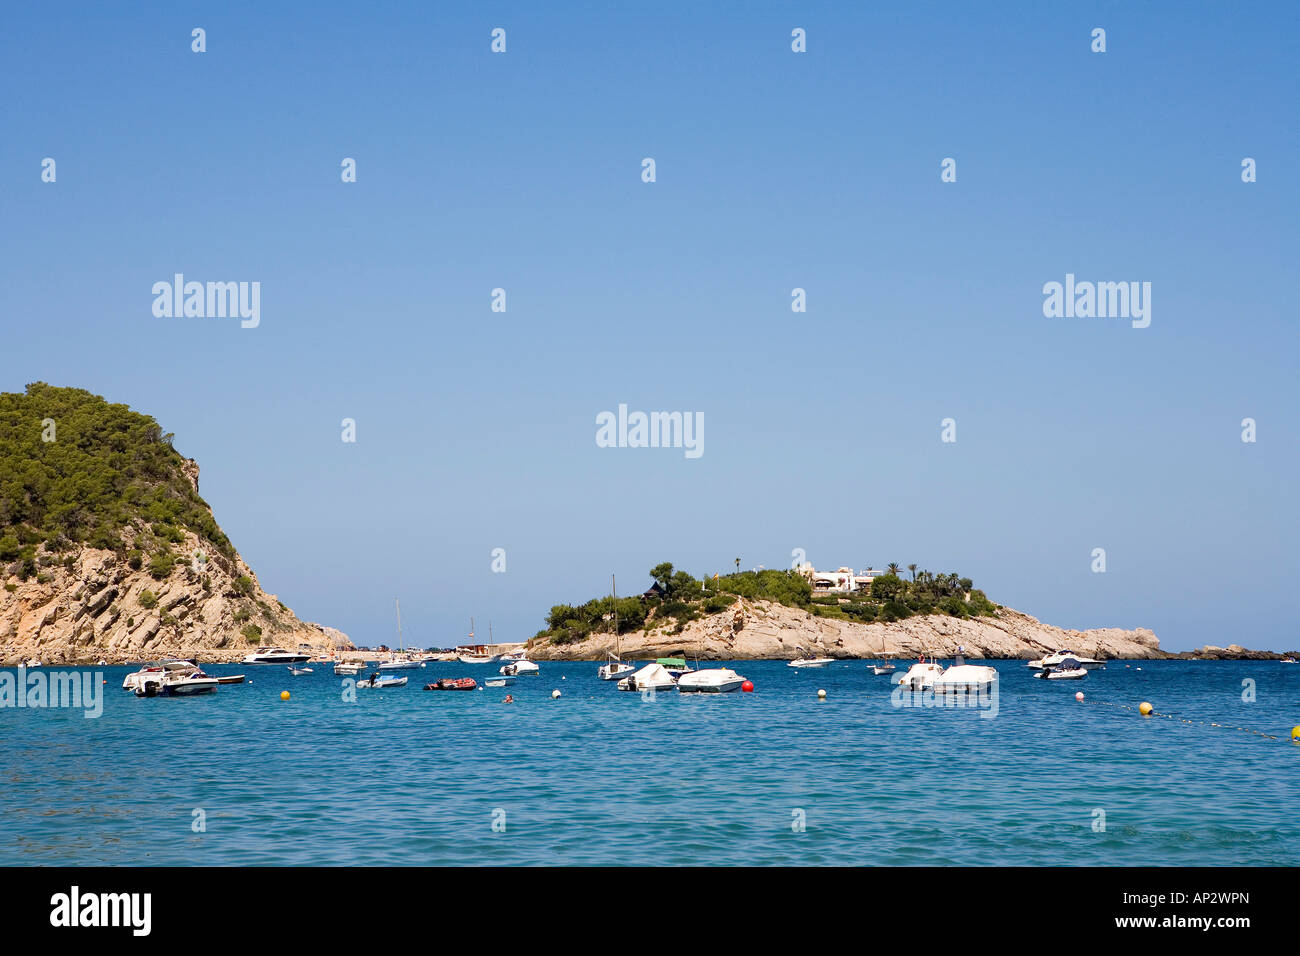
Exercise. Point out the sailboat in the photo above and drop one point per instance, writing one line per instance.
(614, 668)
(475, 653)
(401, 661)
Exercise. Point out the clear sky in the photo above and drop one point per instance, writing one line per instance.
(775, 170)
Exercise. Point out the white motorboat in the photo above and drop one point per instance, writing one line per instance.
(275, 655)
(653, 677)
(499, 681)
(179, 684)
(476, 658)
(963, 678)
(921, 675)
(156, 672)
(810, 662)
(519, 668)
(379, 683)
(885, 668)
(299, 671)
(1067, 669)
(1056, 658)
(348, 668)
(717, 680)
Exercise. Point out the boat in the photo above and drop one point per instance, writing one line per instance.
(182, 680)
(401, 661)
(1287, 660)
(676, 666)
(810, 662)
(1056, 658)
(231, 679)
(1068, 669)
(519, 668)
(614, 667)
(963, 678)
(178, 684)
(475, 653)
(349, 668)
(155, 672)
(885, 668)
(716, 680)
(299, 671)
(921, 675)
(275, 655)
(499, 681)
(379, 683)
(452, 683)
(652, 677)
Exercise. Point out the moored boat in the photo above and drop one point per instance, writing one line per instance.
(275, 655)
(716, 680)
(452, 683)
(379, 683)
(652, 677)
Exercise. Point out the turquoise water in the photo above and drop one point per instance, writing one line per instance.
(406, 776)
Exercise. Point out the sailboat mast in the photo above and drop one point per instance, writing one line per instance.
(399, 623)
(618, 646)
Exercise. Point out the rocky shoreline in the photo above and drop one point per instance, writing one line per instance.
(763, 630)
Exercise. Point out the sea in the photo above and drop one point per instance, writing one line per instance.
(595, 776)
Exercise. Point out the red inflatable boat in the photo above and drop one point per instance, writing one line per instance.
(452, 683)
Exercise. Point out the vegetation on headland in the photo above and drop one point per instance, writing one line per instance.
(78, 471)
(677, 598)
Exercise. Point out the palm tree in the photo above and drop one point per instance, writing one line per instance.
(893, 567)
(912, 568)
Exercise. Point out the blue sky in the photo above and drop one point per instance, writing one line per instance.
(775, 170)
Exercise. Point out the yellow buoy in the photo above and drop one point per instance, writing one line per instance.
(284, 695)
(1145, 709)
(1295, 733)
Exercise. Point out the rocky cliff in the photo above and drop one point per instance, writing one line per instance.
(108, 552)
(752, 629)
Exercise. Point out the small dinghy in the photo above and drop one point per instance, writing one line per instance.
(379, 683)
(299, 671)
(232, 679)
(452, 683)
(505, 681)
(885, 668)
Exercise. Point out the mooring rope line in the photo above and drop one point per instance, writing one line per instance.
(1205, 723)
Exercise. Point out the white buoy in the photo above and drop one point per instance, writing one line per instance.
(555, 694)
(821, 695)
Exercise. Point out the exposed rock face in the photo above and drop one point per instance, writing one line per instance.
(751, 630)
(101, 608)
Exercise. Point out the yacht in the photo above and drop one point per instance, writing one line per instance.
(653, 677)
(717, 680)
(614, 667)
(179, 684)
(401, 661)
(921, 675)
(275, 655)
(1057, 658)
(349, 668)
